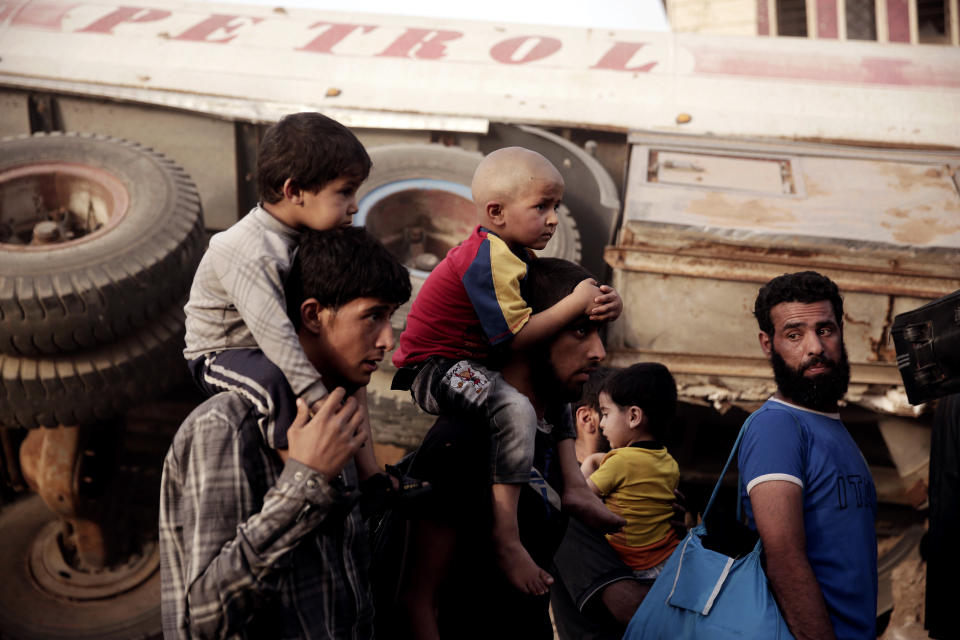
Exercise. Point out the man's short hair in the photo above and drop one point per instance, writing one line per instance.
(311, 150)
(805, 286)
(590, 397)
(650, 386)
(549, 280)
(340, 265)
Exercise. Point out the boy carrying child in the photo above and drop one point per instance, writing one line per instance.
(471, 311)
(638, 477)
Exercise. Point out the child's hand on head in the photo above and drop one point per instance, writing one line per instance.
(586, 293)
(608, 305)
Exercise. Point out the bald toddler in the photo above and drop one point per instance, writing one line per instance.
(468, 317)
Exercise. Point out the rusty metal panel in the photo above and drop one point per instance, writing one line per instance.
(770, 176)
(918, 264)
(681, 314)
(704, 317)
(880, 199)
(849, 277)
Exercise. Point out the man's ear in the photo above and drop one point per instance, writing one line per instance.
(585, 420)
(312, 315)
(766, 343)
(635, 416)
(292, 192)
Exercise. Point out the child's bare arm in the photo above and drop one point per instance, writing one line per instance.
(594, 488)
(544, 325)
(591, 463)
(608, 305)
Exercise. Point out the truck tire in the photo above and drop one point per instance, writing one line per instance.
(137, 237)
(425, 181)
(87, 386)
(29, 612)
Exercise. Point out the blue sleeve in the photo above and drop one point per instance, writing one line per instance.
(772, 449)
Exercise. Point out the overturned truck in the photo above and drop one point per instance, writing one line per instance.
(696, 169)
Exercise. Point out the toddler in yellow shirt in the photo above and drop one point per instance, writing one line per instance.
(637, 478)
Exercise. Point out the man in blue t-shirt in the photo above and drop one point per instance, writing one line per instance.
(806, 487)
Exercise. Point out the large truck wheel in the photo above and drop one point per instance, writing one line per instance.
(97, 237)
(86, 386)
(43, 599)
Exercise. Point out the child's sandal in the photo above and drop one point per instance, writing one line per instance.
(378, 492)
(408, 489)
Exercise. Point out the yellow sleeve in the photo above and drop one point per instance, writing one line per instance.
(610, 475)
(508, 271)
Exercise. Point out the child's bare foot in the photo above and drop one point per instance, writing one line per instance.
(520, 569)
(590, 510)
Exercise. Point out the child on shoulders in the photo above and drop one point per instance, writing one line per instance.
(471, 312)
(239, 336)
(638, 477)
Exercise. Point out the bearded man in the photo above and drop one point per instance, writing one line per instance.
(805, 486)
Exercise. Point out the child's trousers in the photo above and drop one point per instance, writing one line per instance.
(448, 386)
(255, 377)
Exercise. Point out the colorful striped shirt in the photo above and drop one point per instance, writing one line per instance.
(471, 302)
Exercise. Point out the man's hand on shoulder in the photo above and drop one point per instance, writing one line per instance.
(331, 437)
(608, 305)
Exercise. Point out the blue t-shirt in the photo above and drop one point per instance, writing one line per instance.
(815, 451)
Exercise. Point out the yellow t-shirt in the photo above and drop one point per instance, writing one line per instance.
(638, 483)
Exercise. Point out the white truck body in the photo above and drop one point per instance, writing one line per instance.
(399, 72)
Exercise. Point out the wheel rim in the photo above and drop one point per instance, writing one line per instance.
(54, 574)
(28, 611)
(403, 215)
(49, 205)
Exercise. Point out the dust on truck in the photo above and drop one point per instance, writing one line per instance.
(697, 168)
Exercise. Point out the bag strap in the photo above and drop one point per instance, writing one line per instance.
(733, 452)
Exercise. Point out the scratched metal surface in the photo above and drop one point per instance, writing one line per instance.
(253, 62)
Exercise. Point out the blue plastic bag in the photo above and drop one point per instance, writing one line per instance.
(705, 594)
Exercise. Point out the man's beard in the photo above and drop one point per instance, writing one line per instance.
(546, 381)
(819, 393)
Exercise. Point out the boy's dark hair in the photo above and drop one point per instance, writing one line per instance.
(804, 286)
(341, 265)
(549, 280)
(310, 149)
(650, 386)
(591, 390)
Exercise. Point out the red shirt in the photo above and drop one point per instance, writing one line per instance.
(471, 302)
